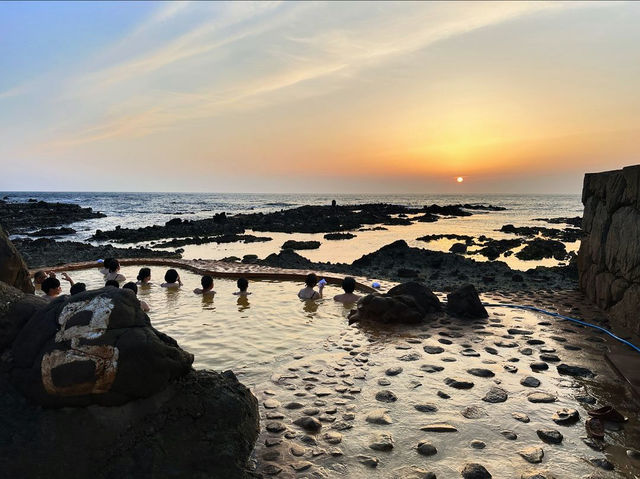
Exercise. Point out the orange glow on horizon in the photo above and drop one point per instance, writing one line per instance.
(460, 179)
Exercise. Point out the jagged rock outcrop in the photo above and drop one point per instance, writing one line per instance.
(609, 256)
(405, 303)
(89, 373)
(465, 303)
(13, 270)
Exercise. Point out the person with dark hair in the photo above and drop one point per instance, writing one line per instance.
(349, 297)
(105, 266)
(77, 288)
(308, 292)
(112, 282)
(243, 284)
(132, 287)
(39, 277)
(51, 287)
(207, 286)
(144, 276)
(172, 279)
(114, 272)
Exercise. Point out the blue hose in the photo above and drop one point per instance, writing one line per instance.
(574, 320)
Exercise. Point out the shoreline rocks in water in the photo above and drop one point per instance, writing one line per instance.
(21, 217)
(45, 252)
(197, 240)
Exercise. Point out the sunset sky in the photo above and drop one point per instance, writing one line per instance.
(318, 97)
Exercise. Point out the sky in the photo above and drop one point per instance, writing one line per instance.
(521, 97)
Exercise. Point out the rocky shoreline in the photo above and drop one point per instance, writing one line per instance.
(21, 217)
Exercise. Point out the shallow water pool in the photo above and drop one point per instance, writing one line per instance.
(229, 332)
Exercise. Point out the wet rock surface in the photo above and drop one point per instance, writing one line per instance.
(13, 270)
(429, 420)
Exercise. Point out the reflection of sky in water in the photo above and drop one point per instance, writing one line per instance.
(228, 331)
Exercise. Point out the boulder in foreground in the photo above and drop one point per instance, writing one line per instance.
(465, 303)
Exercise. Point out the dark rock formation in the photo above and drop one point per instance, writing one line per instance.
(133, 406)
(48, 252)
(20, 217)
(227, 238)
(539, 248)
(467, 239)
(296, 245)
(63, 231)
(339, 236)
(465, 303)
(405, 303)
(458, 248)
(609, 257)
(574, 221)
(13, 270)
(569, 235)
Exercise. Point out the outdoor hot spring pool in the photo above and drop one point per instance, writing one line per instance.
(229, 332)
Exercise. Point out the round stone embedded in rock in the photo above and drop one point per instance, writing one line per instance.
(481, 372)
(477, 444)
(566, 416)
(386, 396)
(530, 382)
(550, 436)
(381, 442)
(532, 454)
(426, 448)
(541, 397)
(308, 423)
(393, 371)
(495, 395)
(475, 471)
(379, 416)
(473, 412)
(458, 384)
(539, 366)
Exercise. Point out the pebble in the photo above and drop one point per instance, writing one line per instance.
(633, 454)
(566, 416)
(271, 403)
(308, 423)
(431, 368)
(550, 436)
(532, 454)
(426, 407)
(294, 405)
(495, 395)
(272, 469)
(549, 358)
(519, 416)
(480, 372)
(386, 396)
(381, 441)
(426, 448)
(332, 437)
(368, 460)
(410, 357)
(526, 351)
(384, 382)
(512, 436)
(297, 450)
(439, 427)
(530, 382)
(275, 415)
(475, 471)
(275, 426)
(538, 475)
(443, 395)
(477, 444)
(433, 349)
(510, 368)
(311, 411)
(506, 344)
(394, 371)
(469, 352)
(379, 416)
(301, 466)
(491, 350)
(575, 371)
(270, 455)
(473, 412)
(539, 366)
(540, 397)
(458, 384)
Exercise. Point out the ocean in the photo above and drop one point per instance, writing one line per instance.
(131, 210)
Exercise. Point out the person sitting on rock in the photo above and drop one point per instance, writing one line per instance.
(243, 284)
(308, 292)
(77, 288)
(144, 277)
(112, 282)
(132, 286)
(172, 279)
(51, 287)
(114, 272)
(348, 285)
(207, 286)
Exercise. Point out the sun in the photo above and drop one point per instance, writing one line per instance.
(460, 179)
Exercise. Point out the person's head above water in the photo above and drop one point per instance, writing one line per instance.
(311, 280)
(107, 263)
(112, 282)
(78, 288)
(144, 275)
(51, 286)
(114, 265)
(171, 276)
(243, 284)
(39, 277)
(132, 286)
(349, 285)
(207, 282)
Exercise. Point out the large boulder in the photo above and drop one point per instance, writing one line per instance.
(16, 308)
(465, 303)
(409, 302)
(203, 425)
(97, 347)
(13, 270)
